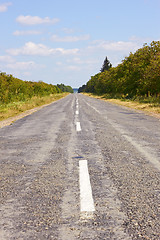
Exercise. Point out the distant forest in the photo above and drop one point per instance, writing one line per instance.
(65, 88)
(13, 89)
(137, 75)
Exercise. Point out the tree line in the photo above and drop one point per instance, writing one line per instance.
(13, 89)
(65, 88)
(137, 75)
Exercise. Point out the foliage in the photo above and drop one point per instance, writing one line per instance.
(13, 89)
(65, 88)
(137, 75)
(82, 89)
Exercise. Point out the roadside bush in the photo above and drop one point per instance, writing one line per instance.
(13, 89)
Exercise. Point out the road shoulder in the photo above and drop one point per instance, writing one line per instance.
(146, 108)
(10, 120)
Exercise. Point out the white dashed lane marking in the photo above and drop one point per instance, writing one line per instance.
(78, 126)
(86, 199)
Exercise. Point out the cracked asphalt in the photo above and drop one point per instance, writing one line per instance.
(39, 173)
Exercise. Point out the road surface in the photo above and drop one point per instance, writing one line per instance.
(80, 168)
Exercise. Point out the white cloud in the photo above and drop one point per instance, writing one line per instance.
(6, 58)
(22, 65)
(83, 61)
(34, 20)
(31, 48)
(76, 64)
(140, 40)
(4, 6)
(56, 38)
(115, 46)
(59, 63)
(10, 63)
(23, 33)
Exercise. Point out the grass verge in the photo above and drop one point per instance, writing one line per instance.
(15, 108)
(147, 107)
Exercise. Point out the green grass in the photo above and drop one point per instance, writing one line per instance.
(15, 108)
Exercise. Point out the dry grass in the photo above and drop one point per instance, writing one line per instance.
(149, 108)
(15, 108)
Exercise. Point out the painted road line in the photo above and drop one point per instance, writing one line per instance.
(86, 199)
(77, 112)
(78, 126)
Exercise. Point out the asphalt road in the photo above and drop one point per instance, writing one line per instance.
(80, 168)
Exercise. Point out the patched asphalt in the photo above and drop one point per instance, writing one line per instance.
(39, 173)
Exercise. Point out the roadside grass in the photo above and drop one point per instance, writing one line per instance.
(148, 105)
(15, 108)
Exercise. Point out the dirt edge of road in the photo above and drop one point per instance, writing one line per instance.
(11, 120)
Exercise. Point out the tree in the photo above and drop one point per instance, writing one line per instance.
(13, 89)
(82, 89)
(65, 88)
(106, 65)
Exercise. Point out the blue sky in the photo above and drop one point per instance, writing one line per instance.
(66, 41)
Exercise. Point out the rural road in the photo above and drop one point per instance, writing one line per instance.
(80, 168)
